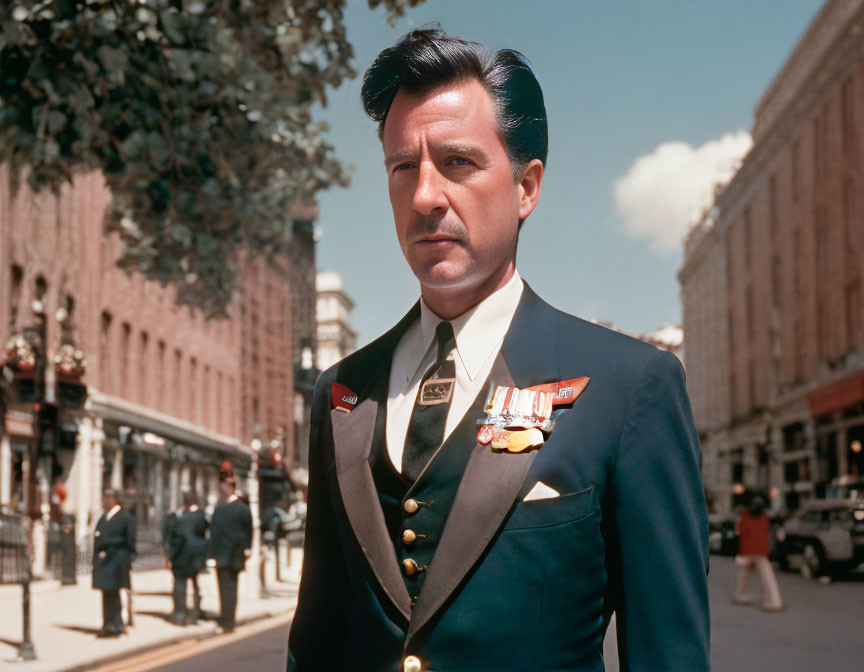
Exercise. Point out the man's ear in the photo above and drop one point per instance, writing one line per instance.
(529, 187)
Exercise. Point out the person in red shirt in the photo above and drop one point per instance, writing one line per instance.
(753, 550)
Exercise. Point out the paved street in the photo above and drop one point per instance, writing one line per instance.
(821, 632)
(66, 618)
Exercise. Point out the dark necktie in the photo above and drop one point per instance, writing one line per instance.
(429, 416)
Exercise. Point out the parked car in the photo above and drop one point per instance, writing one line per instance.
(824, 537)
(722, 539)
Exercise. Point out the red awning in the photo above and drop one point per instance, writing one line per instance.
(837, 396)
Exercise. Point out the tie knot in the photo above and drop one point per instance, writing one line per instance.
(445, 338)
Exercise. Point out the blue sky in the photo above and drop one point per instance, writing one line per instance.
(620, 80)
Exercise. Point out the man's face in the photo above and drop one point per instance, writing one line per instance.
(108, 502)
(455, 202)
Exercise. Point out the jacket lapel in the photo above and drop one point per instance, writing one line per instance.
(352, 437)
(352, 443)
(491, 480)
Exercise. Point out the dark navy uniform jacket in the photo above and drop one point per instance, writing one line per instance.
(514, 585)
(113, 550)
(185, 541)
(230, 535)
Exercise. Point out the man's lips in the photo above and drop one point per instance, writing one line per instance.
(437, 241)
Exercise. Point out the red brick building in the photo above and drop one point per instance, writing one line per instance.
(171, 396)
(771, 284)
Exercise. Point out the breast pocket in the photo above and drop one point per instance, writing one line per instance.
(553, 511)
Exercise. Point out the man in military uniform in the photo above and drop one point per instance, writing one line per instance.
(230, 541)
(184, 538)
(113, 550)
(491, 479)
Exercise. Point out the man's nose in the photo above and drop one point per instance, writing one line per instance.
(429, 194)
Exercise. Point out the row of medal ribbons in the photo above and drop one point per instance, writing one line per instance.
(512, 407)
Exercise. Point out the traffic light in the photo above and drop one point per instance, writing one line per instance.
(25, 389)
(271, 476)
(71, 394)
(47, 429)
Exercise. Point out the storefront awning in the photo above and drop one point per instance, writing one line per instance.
(838, 395)
(166, 430)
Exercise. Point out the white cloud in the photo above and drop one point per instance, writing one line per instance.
(664, 192)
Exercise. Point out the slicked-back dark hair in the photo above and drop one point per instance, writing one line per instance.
(427, 59)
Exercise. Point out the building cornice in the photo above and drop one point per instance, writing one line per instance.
(834, 17)
(841, 57)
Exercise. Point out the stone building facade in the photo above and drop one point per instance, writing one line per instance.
(171, 396)
(771, 285)
(336, 338)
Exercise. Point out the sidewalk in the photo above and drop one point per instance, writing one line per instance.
(64, 619)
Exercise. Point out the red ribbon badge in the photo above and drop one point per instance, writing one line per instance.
(564, 391)
(343, 398)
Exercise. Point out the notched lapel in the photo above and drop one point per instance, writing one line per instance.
(352, 441)
(486, 493)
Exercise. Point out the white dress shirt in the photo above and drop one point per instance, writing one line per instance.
(110, 514)
(479, 334)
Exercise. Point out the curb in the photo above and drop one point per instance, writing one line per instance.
(153, 646)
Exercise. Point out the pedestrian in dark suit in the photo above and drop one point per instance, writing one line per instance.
(230, 541)
(113, 551)
(184, 538)
(435, 542)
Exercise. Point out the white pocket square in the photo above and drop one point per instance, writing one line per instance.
(541, 491)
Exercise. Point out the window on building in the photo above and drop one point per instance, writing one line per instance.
(772, 205)
(751, 332)
(126, 335)
(143, 367)
(820, 143)
(16, 280)
(730, 267)
(207, 394)
(193, 390)
(230, 407)
(161, 375)
(850, 225)
(106, 381)
(178, 384)
(847, 115)
(220, 403)
(748, 238)
(776, 282)
(794, 169)
(41, 288)
(751, 385)
(793, 437)
(797, 262)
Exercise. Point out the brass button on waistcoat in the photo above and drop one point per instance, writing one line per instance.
(411, 505)
(411, 566)
(411, 664)
(408, 537)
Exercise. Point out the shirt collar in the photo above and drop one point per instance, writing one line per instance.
(233, 498)
(110, 514)
(478, 331)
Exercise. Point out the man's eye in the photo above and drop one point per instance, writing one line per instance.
(402, 167)
(460, 161)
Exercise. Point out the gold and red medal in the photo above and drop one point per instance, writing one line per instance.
(520, 419)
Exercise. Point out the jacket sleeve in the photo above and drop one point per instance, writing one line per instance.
(317, 637)
(131, 533)
(660, 529)
(247, 528)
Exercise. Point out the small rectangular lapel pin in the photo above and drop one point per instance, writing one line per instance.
(436, 391)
